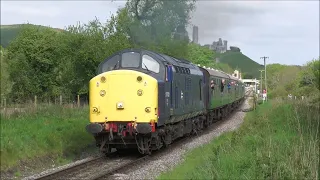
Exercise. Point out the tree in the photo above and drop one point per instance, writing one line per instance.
(309, 76)
(32, 59)
(160, 25)
(5, 82)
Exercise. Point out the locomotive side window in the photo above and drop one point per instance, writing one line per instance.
(130, 59)
(110, 64)
(150, 64)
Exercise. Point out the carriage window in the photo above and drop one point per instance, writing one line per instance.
(110, 64)
(150, 64)
(130, 59)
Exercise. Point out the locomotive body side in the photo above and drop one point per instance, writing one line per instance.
(187, 86)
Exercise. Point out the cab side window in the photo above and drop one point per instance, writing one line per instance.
(150, 64)
(110, 64)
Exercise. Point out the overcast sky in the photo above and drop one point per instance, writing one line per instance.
(287, 32)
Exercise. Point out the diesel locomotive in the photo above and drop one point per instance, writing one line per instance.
(145, 100)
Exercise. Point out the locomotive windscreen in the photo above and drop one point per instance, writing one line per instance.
(109, 65)
(130, 60)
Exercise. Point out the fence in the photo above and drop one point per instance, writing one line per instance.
(8, 106)
(59, 100)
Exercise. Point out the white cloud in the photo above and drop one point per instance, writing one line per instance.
(56, 13)
(286, 31)
(279, 29)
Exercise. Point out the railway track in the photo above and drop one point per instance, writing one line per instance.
(108, 173)
(88, 169)
(103, 167)
(179, 142)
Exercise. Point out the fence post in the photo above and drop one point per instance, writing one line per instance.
(78, 101)
(35, 101)
(5, 102)
(60, 100)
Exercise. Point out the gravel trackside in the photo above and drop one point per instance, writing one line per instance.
(164, 162)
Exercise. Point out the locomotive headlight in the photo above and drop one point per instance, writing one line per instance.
(139, 78)
(103, 79)
(140, 92)
(102, 93)
(147, 109)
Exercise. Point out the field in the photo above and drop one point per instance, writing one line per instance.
(50, 131)
(280, 140)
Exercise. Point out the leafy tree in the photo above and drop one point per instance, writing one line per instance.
(310, 74)
(199, 55)
(31, 59)
(5, 82)
(160, 25)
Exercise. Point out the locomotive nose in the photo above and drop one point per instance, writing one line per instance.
(123, 96)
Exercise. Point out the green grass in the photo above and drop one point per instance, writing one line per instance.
(279, 140)
(237, 60)
(50, 131)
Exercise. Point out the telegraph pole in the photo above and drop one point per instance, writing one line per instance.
(265, 72)
(261, 81)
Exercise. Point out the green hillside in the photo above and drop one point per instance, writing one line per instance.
(9, 32)
(237, 60)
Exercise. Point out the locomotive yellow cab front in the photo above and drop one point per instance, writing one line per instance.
(123, 96)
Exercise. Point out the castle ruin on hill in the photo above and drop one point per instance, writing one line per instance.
(221, 46)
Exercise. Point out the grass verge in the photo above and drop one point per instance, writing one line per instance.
(52, 131)
(280, 140)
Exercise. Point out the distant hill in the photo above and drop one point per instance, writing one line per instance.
(9, 32)
(237, 60)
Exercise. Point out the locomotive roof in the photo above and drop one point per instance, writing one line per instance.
(217, 73)
(166, 58)
(160, 56)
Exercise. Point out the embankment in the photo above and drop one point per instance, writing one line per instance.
(279, 140)
(50, 135)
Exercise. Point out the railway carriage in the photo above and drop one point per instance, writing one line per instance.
(144, 100)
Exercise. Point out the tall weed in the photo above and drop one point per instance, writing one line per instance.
(48, 131)
(280, 140)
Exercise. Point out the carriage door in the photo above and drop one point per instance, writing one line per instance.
(169, 87)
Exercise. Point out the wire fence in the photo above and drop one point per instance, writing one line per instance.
(9, 106)
(61, 100)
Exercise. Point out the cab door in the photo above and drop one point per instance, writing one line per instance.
(169, 104)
